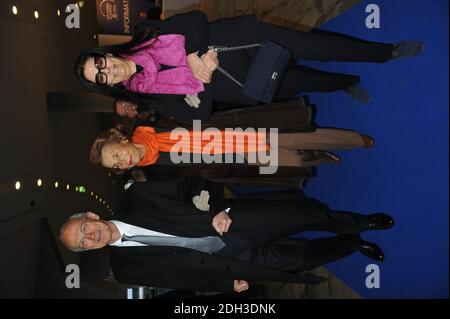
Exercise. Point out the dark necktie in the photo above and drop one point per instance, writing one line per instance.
(209, 244)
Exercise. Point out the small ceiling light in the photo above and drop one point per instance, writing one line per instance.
(92, 193)
(56, 184)
(17, 185)
(67, 186)
(14, 10)
(36, 14)
(39, 182)
(96, 197)
(80, 4)
(58, 12)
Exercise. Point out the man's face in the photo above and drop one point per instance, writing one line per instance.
(128, 109)
(86, 233)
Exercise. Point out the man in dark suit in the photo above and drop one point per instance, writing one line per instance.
(216, 244)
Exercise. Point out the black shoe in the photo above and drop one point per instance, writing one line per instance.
(407, 49)
(359, 94)
(368, 141)
(380, 221)
(370, 250)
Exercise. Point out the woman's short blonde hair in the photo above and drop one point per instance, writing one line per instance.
(113, 135)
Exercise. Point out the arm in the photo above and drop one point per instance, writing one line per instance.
(185, 189)
(193, 186)
(195, 28)
(200, 284)
(190, 283)
(240, 285)
(221, 222)
(174, 105)
(193, 25)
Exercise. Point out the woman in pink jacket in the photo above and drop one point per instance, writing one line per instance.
(168, 68)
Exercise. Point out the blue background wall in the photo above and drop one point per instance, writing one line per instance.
(406, 174)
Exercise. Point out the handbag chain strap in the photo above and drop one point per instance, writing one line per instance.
(218, 48)
(228, 75)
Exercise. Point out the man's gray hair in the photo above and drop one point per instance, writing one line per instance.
(74, 216)
(77, 215)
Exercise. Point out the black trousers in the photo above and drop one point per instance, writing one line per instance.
(297, 254)
(322, 46)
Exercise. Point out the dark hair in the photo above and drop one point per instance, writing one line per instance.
(142, 33)
(116, 134)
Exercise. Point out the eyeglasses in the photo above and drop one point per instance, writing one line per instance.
(83, 232)
(100, 63)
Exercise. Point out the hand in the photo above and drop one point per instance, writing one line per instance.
(240, 285)
(201, 201)
(192, 100)
(211, 60)
(199, 68)
(221, 222)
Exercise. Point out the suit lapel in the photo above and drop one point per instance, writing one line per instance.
(136, 218)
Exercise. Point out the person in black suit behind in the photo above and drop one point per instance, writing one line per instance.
(253, 236)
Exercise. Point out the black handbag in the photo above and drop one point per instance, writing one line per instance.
(266, 72)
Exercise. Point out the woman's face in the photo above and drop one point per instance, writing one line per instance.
(106, 70)
(122, 155)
